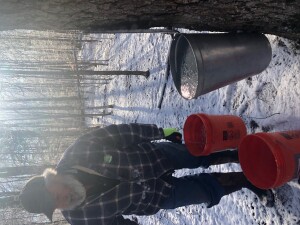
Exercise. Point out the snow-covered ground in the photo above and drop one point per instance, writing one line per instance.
(269, 101)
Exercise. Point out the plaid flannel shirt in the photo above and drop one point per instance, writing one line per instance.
(122, 152)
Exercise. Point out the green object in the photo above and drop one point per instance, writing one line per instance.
(107, 158)
(169, 131)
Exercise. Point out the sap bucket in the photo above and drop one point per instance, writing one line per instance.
(205, 134)
(201, 63)
(269, 160)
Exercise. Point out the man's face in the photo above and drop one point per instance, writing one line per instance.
(67, 192)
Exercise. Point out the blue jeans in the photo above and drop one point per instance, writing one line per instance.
(192, 189)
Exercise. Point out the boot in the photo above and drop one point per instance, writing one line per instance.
(235, 181)
(265, 196)
(223, 157)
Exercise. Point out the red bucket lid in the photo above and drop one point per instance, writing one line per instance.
(195, 135)
(258, 161)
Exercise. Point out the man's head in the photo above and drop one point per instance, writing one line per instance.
(50, 191)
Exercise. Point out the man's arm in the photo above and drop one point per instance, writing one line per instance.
(78, 220)
(124, 135)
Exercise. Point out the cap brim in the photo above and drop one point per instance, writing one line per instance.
(49, 214)
(49, 205)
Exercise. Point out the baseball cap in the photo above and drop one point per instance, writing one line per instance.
(35, 198)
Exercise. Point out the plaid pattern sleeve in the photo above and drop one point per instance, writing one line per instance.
(81, 217)
(124, 135)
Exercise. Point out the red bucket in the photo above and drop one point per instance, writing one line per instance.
(270, 160)
(205, 134)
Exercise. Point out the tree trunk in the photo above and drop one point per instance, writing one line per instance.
(22, 170)
(9, 202)
(51, 108)
(268, 16)
(45, 99)
(68, 73)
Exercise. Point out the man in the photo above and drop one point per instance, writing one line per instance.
(118, 170)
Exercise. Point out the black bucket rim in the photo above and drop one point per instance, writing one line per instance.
(173, 63)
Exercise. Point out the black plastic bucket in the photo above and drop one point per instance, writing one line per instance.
(201, 63)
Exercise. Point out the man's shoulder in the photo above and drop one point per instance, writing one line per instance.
(77, 148)
(79, 153)
(68, 159)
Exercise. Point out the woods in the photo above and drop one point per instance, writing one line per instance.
(44, 89)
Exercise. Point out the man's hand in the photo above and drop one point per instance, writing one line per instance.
(122, 221)
(171, 134)
(130, 222)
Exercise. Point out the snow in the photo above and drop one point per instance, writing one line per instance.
(269, 101)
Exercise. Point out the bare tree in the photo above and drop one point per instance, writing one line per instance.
(267, 16)
(22, 170)
(66, 74)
